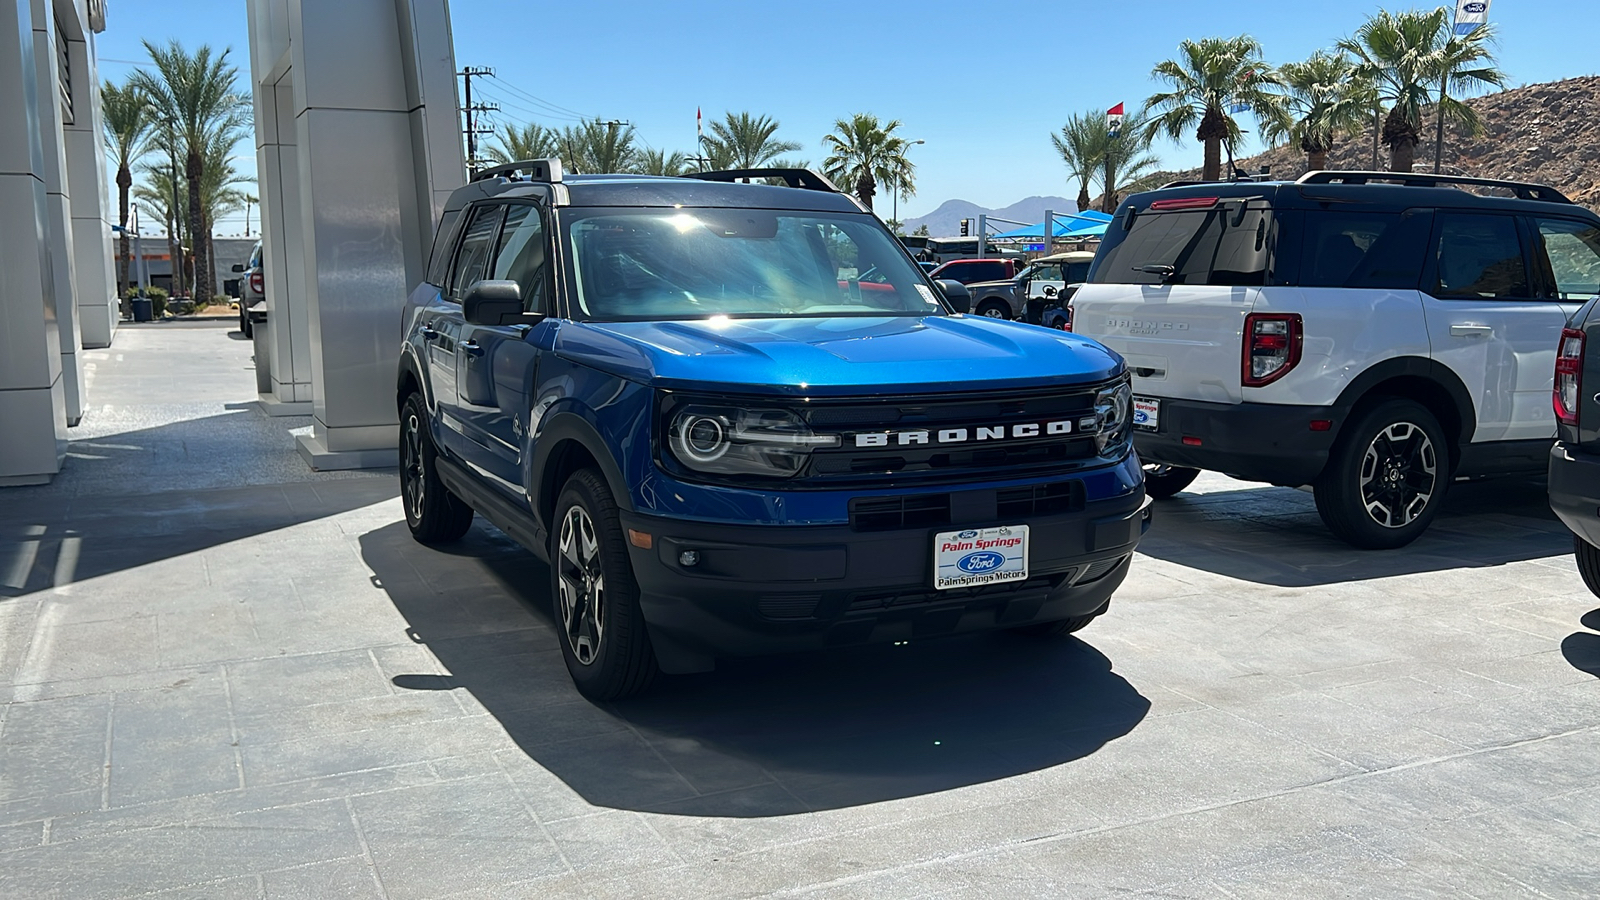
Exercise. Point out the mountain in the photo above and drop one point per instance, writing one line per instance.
(946, 220)
(1544, 133)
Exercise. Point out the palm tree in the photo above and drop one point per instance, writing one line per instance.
(161, 196)
(1405, 54)
(1081, 150)
(862, 152)
(1322, 99)
(596, 147)
(128, 125)
(659, 162)
(513, 144)
(746, 141)
(1461, 51)
(194, 95)
(220, 189)
(1209, 79)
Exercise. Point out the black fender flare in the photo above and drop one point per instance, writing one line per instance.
(1414, 367)
(410, 366)
(563, 427)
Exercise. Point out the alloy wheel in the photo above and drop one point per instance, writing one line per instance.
(582, 585)
(993, 312)
(1399, 475)
(411, 472)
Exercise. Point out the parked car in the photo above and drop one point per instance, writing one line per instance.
(252, 288)
(1373, 335)
(1575, 458)
(944, 249)
(971, 271)
(1044, 283)
(674, 390)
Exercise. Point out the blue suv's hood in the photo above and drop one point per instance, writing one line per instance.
(839, 355)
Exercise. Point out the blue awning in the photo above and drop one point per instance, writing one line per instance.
(1084, 224)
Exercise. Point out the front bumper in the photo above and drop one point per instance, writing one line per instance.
(1253, 441)
(773, 589)
(1575, 490)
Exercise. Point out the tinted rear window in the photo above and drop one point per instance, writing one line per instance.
(1227, 245)
(1362, 249)
(968, 273)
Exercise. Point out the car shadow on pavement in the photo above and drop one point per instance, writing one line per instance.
(1582, 648)
(758, 737)
(1273, 535)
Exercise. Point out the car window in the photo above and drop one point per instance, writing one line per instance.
(1362, 249)
(522, 255)
(1572, 254)
(1046, 273)
(476, 245)
(695, 263)
(1077, 273)
(1223, 245)
(1479, 258)
(439, 258)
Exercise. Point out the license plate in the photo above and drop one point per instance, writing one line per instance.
(1146, 413)
(980, 556)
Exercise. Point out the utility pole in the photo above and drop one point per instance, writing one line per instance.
(472, 130)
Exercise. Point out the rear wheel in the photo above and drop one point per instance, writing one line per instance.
(434, 515)
(1588, 563)
(1163, 481)
(1386, 478)
(994, 309)
(244, 320)
(602, 631)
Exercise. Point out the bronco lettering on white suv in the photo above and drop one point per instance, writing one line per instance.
(1375, 335)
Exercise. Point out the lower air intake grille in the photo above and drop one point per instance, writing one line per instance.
(890, 513)
(801, 606)
(1040, 500)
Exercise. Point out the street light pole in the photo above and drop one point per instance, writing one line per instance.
(895, 215)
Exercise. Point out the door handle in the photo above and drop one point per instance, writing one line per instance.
(472, 348)
(1470, 330)
(428, 332)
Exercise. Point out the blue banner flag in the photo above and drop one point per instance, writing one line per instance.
(1471, 15)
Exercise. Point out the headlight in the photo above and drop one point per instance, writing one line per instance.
(1113, 411)
(732, 441)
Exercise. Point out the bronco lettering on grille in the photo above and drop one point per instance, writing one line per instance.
(969, 435)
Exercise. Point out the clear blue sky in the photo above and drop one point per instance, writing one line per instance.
(983, 83)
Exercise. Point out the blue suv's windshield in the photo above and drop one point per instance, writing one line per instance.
(694, 263)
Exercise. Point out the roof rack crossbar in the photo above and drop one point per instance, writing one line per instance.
(1524, 190)
(806, 179)
(547, 171)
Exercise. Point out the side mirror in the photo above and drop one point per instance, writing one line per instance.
(957, 294)
(237, 267)
(496, 303)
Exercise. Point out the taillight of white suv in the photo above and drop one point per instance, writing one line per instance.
(257, 283)
(1271, 347)
(1569, 376)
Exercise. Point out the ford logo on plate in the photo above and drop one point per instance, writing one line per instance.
(982, 561)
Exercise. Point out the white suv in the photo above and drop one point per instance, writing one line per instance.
(1374, 335)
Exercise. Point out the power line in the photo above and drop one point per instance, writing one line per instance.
(539, 101)
(472, 109)
(536, 114)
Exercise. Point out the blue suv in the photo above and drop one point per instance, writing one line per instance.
(726, 437)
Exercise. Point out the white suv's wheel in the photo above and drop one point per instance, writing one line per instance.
(1386, 478)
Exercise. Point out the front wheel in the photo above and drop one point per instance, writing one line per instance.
(602, 631)
(1162, 481)
(1386, 478)
(1588, 563)
(994, 309)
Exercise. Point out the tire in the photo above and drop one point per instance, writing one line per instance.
(1163, 482)
(244, 321)
(1060, 626)
(994, 309)
(434, 515)
(1588, 563)
(1386, 478)
(601, 629)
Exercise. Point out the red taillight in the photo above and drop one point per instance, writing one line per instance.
(1067, 325)
(1271, 347)
(1185, 203)
(1569, 376)
(257, 283)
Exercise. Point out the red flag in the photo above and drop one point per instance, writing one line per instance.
(1115, 111)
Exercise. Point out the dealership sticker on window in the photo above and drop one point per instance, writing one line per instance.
(927, 294)
(979, 556)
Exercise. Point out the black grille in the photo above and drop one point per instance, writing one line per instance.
(793, 606)
(953, 459)
(878, 601)
(890, 513)
(1039, 500)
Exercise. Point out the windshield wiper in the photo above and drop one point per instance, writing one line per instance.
(1166, 272)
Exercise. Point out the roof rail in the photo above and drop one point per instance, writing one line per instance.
(1523, 190)
(796, 178)
(543, 170)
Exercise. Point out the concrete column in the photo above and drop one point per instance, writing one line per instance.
(94, 210)
(58, 201)
(33, 406)
(355, 174)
